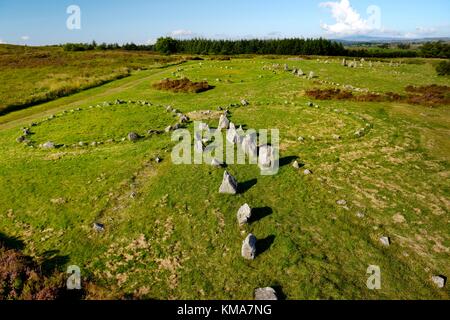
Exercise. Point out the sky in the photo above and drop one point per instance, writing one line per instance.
(46, 22)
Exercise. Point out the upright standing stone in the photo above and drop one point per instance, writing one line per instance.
(249, 146)
(231, 133)
(248, 250)
(385, 241)
(229, 184)
(224, 123)
(439, 281)
(266, 156)
(244, 213)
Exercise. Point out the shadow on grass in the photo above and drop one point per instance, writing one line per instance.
(279, 291)
(51, 261)
(260, 213)
(262, 245)
(11, 242)
(245, 186)
(287, 160)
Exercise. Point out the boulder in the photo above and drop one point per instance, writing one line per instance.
(244, 213)
(184, 119)
(385, 241)
(295, 165)
(99, 227)
(229, 184)
(248, 250)
(307, 172)
(439, 281)
(132, 136)
(244, 102)
(265, 294)
(48, 145)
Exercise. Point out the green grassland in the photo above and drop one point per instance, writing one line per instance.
(178, 238)
(30, 75)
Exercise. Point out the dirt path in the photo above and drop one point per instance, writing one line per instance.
(11, 120)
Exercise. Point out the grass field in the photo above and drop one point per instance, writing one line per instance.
(32, 75)
(169, 234)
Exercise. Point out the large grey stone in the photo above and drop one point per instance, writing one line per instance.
(248, 250)
(229, 184)
(244, 213)
(267, 293)
(266, 156)
(249, 146)
(439, 281)
(224, 123)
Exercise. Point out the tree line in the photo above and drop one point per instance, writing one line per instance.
(294, 46)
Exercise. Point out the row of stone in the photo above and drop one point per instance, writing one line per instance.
(229, 185)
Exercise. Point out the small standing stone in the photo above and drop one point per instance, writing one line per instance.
(385, 241)
(244, 213)
(265, 294)
(99, 227)
(296, 165)
(224, 123)
(244, 102)
(439, 281)
(132, 136)
(248, 250)
(48, 145)
(229, 184)
(307, 172)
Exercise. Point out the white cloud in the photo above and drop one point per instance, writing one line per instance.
(25, 38)
(181, 33)
(151, 41)
(348, 20)
(1, 41)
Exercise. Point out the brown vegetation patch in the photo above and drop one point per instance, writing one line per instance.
(182, 85)
(428, 95)
(329, 94)
(431, 95)
(22, 278)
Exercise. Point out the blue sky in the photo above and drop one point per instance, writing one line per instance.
(142, 21)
